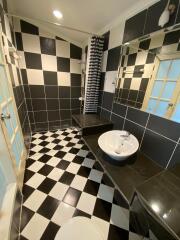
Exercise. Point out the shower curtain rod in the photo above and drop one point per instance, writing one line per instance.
(52, 23)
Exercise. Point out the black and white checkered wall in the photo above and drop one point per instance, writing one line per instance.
(14, 71)
(51, 73)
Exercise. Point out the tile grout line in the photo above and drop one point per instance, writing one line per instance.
(172, 153)
(145, 128)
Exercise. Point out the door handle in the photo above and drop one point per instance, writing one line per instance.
(5, 116)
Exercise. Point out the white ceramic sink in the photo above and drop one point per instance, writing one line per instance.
(119, 145)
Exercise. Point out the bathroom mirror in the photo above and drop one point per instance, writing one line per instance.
(149, 74)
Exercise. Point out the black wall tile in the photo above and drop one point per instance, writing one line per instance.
(38, 104)
(28, 28)
(75, 80)
(178, 15)
(119, 109)
(51, 92)
(117, 122)
(132, 59)
(29, 104)
(37, 91)
(157, 148)
(33, 60)
(134, 129)
(52, 104)
(175, 158)
(50, 78)
(53, 115)
(19, 43)
(63, 64)
(43, 126)
(165, 127)
(24, 76)
(113, 59)
(27, 91)
(75, 103)
(65, 103)
(75, 51)
(40, 116)
(65, 114)
(107, 100)
(48, 46)
(64, 92)
(137, 116)
(106, 40)
(105, 114)
(171, 37)
(75, 92)
(134, 26)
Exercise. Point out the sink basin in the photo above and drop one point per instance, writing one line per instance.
(118, 144)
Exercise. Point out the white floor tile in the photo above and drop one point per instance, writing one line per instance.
(79, 182)
(86, 202)
(59, 190)
(74, 140)
(35, 227)
(95, 175)
(88, 162)
(66, 149)
(69, 157)
(35, 200)
(120, 217)
(82, 153)
(36, 166)
(36, 156)
(63, 143)
(55, 174)
(36, 148)
(73, 168)
(35, 180)
(106, 193)
(51, 145)
(52, 152)
(37, 141)
(63, 213)
(53, 161)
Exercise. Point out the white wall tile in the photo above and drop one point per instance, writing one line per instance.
(157, 41)
(116, 36)
(110, 80)
(49, 63)
(16, 25)
(21, 60)
(104, 61)
(141, 58)
(64, 79)
(31, 43)
(75, 66)
(135, 83)
(62, 48)
(35, 77)
(44, 33)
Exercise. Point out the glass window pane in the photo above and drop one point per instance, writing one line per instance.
(157, 88)
(168, 90)
(174, 72)
(163, 69)
(162, 108)
(151, 105)
(4, 82)
(176, 115)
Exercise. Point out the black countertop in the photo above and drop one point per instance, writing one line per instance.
(130, 174)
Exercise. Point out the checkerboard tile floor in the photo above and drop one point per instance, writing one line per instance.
(63, 180)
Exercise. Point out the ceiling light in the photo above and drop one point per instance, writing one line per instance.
(57, 14)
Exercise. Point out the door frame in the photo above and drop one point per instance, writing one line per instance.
(19, 170)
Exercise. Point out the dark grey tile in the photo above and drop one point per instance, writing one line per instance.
(19, 42)
(75, 92)
(37, 91)
(27, 91)
(40, 116)
(75, 80)
(117, 122)
(102, 209)
(116, 233)
(47, 46)
(53, 104)
(48, 207)
(145, 44)
(53, 115)
(175, 158)
(75, 52)
(51, 231)
(75, 103)
(113, 59)
(134, 129)
(50, 78)
(105, 114)
(165, 127)
(67, 178)
(65, 103)
(26, 215)
(33, 60)
(106, 40)
(38, 104)
(144, 83)
(24, 76)
(119, 109)
(72, 197)
(131, 59)
(171, 37)
(46, 185)
(28, 28)
(137, 116)
(127, 83)
(65, 114)
(63, 64)
(64, 92)
(107, 100)
(51, 92)
(157, 148)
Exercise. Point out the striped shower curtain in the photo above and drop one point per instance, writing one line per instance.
(93, 74)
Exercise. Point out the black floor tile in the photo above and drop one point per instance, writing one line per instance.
(67, 178)
(119, 200)
(46, 185)
(102, 209)
(78, 159)
(50, 231)
(60, 154)
(81, 213)
(72, 197)
(116, 233)
(45, 158)
(26, 215)
(29, 162)
(28, 174)
(48, 207)
(74, 150)
(63, 164)
(27, 190)
(84, 171)
(45, 170)
(91, 187)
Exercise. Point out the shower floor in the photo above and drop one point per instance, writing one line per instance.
(63, 180)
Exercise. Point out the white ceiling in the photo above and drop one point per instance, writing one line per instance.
(87, 15)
